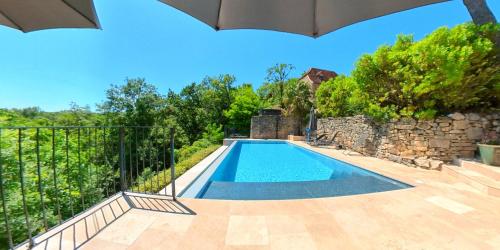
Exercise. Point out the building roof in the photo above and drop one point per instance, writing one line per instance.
(319, 75)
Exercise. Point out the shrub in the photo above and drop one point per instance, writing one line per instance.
(213, 133)
(245, 105)
(157, 182)
(450, 70)
(187, 151)
(339, 97)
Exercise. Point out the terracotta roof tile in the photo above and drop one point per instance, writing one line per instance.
(319, 75)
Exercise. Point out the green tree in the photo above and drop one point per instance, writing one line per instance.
(245, 105)
(278, 75)
(268, 96)
(449, 70)
(339, 97)
(213, 133)
(190, 110)
(217, 96)
(133, 104)
(297, 101)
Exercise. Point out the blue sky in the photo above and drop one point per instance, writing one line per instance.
(170, 49)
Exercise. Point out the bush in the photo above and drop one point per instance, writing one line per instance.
(449, 70)
(245, 105)
(157, 182)
(339, 97)
(187, 151)
(213, 133)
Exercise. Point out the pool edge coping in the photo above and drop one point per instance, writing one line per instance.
(205, 173)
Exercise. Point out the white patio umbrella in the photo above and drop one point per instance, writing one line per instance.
(307, 17)
(32, 15)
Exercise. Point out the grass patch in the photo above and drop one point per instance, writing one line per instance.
(160, 180)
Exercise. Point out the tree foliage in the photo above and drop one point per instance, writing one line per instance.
(274, 90)
(136, 102)
(449, 70)
(297, 101)
(245, 105)
(339, 97)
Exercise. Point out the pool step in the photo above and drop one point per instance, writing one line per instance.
(476, 176)
(298, 190)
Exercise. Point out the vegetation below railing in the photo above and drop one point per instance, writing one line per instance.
(50, 174)
(157, 182)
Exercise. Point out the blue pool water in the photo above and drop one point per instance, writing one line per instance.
(260, 170)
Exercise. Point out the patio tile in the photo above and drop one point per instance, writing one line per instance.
(102, 245)
(155, 239)
(297, 241)
(205, 232)
(246, 247)
(247, 231)
(127, 229)
(172, 222)
(285, 225)
(449, 205)
(326, 233)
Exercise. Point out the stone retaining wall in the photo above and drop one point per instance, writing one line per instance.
(426, 143)
(272, 127)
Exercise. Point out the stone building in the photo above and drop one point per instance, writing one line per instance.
(314, 77)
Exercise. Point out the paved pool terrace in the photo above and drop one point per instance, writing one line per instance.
(440, 212)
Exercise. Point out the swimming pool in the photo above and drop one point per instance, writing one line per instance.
(276, 170)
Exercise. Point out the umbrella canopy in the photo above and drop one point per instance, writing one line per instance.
(307, 17)
(31, 15)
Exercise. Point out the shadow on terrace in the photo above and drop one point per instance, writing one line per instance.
(79, 230)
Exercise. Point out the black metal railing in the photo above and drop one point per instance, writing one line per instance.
(48, 175)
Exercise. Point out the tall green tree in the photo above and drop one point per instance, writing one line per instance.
(297, 101)
(245, 105)
(137, 103)
(217, 96)
(192, 115)
(278, 75)
(338, 97)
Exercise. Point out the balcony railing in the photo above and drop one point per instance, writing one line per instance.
(49, 175)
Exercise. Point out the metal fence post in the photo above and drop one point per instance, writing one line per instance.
(4, 203)
(23, 191)
(123, 176)
(172, 163)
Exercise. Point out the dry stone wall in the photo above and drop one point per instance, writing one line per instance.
(424, 143)
(272, 127)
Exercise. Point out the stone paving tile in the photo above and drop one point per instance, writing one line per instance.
(247, 231)
(210, 233)
(102, 245)
(156, 239)
(298, 241)
(450, 205)
(128, 228)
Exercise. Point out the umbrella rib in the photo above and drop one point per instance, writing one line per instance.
(81, 14)
(315, 23)
(12, 21)
(218, 16)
